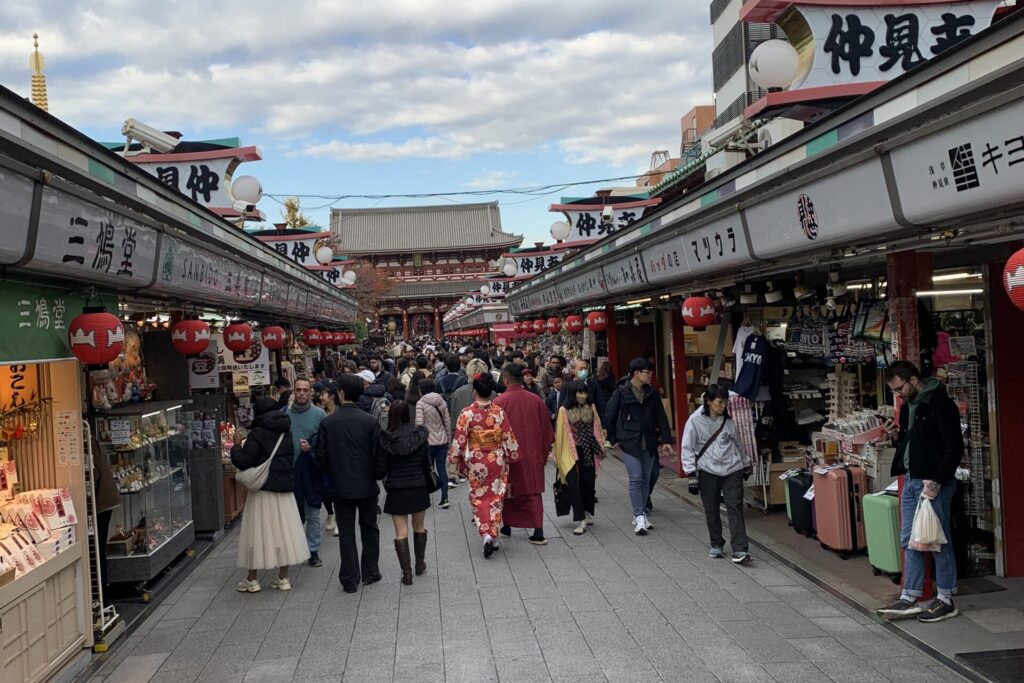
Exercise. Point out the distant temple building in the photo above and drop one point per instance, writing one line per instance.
(437, 255)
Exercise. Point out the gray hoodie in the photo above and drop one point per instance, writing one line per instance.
(722, 457)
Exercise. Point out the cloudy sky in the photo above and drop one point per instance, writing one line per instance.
(371, 97)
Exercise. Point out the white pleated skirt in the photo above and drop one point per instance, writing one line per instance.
(272, 535)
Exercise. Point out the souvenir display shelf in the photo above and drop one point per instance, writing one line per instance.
(148, 445)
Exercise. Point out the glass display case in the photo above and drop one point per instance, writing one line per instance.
(148, 446)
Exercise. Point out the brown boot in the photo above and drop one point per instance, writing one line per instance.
(419, 541)
(402, 550)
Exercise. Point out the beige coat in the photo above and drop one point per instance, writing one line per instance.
(432, 413)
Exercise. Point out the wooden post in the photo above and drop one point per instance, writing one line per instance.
(680, 392)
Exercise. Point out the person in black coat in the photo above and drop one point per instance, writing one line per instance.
(272, 534)
(635, 419)
(404, 464)
(346, 452)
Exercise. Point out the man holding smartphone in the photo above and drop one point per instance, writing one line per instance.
(929, 447)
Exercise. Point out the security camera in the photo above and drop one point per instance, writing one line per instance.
(607, 214)
(243, 207)
(151, 138)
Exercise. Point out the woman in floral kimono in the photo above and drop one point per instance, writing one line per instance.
(481, 448)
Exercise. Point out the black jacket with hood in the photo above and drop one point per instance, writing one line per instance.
(935, 440)
(371, 394)
(263, 434)
(402, 459)
(635, 425)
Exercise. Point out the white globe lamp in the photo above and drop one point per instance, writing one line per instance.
(560, 230)
(349, 276)
(324, 255)
(774, 64)
(247, 189)
(510, 268)
(485, 290)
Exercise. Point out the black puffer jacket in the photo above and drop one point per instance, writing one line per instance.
(371, 394)
(260, 444)
(403, 458)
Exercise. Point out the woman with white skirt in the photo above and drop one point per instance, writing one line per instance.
(272, 535)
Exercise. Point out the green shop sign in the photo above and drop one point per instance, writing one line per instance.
(34, 320)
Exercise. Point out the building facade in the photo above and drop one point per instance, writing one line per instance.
(435, 255)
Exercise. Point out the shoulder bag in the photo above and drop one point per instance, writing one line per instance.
(255, 478)
(710, 441)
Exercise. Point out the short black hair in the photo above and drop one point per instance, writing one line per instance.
(517, 354)
(421, 362)
(428, 386)
(638, 365)
(452, 362)
(375, 356)
(903, 369)
(560, 359)
(282, 383)
(351, 387)
(513, 374)
(713, 392)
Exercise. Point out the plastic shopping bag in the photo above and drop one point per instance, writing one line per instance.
(926, 534)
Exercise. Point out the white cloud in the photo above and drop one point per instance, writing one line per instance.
(362, 81)
(491, 180)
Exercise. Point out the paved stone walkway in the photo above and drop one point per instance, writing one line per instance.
(604, 606)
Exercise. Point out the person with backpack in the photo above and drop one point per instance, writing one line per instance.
(432, 413)
(717, 466)
(636, 422)
(374, 400)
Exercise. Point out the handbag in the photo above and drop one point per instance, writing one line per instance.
(255, 478)
(562, 504)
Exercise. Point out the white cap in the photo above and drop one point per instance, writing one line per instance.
(463, 349)
(366, 376)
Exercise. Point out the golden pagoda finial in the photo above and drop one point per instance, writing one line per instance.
(36, 63)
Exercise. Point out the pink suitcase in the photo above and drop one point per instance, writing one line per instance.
(838, 496)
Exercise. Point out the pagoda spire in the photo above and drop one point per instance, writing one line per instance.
(36, 63)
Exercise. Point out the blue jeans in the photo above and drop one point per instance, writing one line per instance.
(643, 473)
(310, 516)
(913, 564)
(440, 457)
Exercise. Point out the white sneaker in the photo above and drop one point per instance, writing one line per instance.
(589, 519)
(335, 531)
(639, 525)
(331, 524)
(453, 483)
(281, 584)
(647, 523)
(581, 528)
(246, 586)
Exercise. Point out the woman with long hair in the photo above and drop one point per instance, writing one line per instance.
(578, 447)
(403, 465)
(711, 453)
(482, 445)
(432, 413)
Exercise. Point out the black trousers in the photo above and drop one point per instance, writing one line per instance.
(582, 483)
(369, 535)
(328, 505)
(714, 491)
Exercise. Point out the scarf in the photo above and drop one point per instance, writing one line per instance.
(296, 408)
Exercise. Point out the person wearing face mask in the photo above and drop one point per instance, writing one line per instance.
(581, 372)
(578, 447)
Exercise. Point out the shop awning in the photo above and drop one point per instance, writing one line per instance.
(935, 150)
(74, 212)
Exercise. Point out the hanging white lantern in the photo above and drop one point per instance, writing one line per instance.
(349, 276)
(485, 290)
(560, 230)
(510, 268)
(324, 254)
(247, 189)
(774, 64)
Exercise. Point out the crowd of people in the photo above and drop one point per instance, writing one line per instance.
(430, 419)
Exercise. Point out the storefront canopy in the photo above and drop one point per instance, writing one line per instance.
(72, 211)
(936, 155)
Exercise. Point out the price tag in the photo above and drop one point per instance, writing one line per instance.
(809, 495)
(120, 432)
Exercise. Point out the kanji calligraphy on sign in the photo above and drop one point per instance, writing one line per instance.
(203, 181)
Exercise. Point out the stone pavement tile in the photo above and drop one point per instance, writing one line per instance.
(571, 657)
(422, 673)
(322, 658)
(744, 588)
(423, 647)
(838, 625)
(583, 597)
(113, 658)
(642, 673)
(846, 672)
(267, 599)
(904, 668)
(162, 639)
(191, 605)
(806, 602)
(769, 575)
(136, 668)
(527, 669)
(697, 628)
(785, 620)
(272, 671)
(943, 673)
(878, 642)
(370, 664)
(825, 649)
(501, 602)
(794, 672)
(185, 676)
(736, 672)
(720, 605)
(218, 617)
(249, 628)
(762, 643)
(229, 662)
(547, 610)
(513, 637)
(192, 652)
(151, 621)
(468, 660)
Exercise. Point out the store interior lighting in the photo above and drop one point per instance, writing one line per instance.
(950, 277)
(949, 292)
(772, 295)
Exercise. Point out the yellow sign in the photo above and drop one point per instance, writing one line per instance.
(19, 384)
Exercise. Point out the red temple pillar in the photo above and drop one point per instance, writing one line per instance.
(405, 325)
(613, 339)
(437, 324)
(680, 395)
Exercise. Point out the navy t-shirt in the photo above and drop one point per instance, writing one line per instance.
(755, 353)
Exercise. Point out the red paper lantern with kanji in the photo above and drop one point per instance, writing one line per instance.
(273, 337)
(190, 337)
(312, 337)
(597, 321)
(574, 324)
(538, 325)
(553, 325)
(1013, 279)
(350, 337)
(238, 337)
(96, 337)
(699, 312)
(517, 327)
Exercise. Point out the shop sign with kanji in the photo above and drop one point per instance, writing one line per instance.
(975, 165)
(87, 242)
(587, 286)
(35, 321)
(533, 264)
(705, 249)
(874, 44)
(589, 223)
(188, 270)
(204, 181)
(300, 249)
(625, 274)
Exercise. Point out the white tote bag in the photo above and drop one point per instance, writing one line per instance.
(255, 478)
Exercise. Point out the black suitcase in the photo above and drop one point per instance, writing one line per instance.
(800, 507)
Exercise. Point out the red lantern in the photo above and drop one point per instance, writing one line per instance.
(273, 337)
(312, 337)
(553, 325)
(538, 325)
(699, 312)
(96, 337)
(597, 321)
(1013, 279)
(190, 337)
(350, 337)
(574, 324)
(517, 327)
(238, 337)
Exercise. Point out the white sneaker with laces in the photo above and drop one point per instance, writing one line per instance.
(247, 586)
(281, 584)
(331, 524)
(581, 528)
(647, 523)
(589, 519)
(639, 525)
